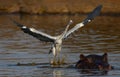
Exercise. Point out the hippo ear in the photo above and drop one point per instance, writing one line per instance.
(105, 59)
(82, 57)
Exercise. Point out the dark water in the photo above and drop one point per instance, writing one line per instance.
(101, 35)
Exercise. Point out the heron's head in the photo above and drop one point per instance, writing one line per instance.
(68, 25)
(65, 31)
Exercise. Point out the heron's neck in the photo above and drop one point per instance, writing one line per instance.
(65, 31)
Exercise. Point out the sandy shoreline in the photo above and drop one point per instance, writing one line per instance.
(58, 6)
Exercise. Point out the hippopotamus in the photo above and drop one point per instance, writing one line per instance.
(93, 61)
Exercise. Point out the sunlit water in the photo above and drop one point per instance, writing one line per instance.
(101, 35)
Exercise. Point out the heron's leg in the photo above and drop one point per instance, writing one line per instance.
(55, 54)
(58, 55)
(54, 59)
(58, 60)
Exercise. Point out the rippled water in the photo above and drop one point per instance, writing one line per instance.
(101, 35)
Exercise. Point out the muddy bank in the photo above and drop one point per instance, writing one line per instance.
(57, 6)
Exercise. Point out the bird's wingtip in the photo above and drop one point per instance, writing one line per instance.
(100, 5)
(95, 12)
(16, 23)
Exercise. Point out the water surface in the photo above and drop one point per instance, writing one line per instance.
(101, 35)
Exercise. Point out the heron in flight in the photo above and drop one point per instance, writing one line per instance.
(57, 40)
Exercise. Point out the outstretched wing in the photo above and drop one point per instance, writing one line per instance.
(90, 17)
(35, 33)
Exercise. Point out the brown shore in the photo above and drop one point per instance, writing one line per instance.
(58, 6)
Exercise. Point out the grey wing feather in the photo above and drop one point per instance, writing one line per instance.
(37, 34)
(95, 12)
(90, 17)
(73, 29)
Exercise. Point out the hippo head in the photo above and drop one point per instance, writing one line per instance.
(93, 61)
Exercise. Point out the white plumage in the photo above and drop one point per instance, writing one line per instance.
(57, 40)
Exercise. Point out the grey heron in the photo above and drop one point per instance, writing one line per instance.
(57, 40)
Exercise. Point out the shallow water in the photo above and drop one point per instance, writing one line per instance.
(101, 35)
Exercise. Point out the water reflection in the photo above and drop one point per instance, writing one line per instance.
(101, 35)
(58, 73)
